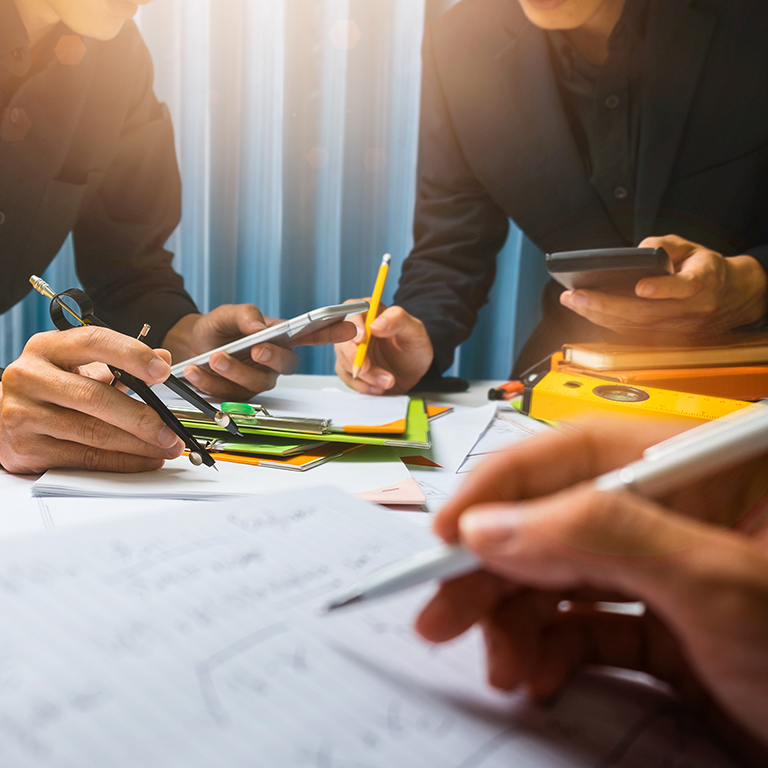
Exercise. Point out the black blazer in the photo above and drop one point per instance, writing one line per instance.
(496, 144)
(96, 158)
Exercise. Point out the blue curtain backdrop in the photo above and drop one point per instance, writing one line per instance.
(296, 127)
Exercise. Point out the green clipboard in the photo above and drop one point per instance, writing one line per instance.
(261, 445)
(416, 433)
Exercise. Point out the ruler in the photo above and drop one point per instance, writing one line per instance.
(556, 396)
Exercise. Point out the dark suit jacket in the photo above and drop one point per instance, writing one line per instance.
(90, 151)
(496, 144)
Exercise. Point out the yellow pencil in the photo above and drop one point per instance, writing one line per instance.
(373, 310)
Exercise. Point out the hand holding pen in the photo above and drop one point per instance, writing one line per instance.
(562, 553)
(391, 351)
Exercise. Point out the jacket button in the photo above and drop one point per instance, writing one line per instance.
(620, 193)
(2, 218)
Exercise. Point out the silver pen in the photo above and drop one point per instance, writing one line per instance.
(671, 464)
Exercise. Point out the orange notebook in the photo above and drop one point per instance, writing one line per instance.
(737, 349)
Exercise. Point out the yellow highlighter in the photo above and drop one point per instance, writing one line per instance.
(378, 289)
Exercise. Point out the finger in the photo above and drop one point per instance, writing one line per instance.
(551, 462)
(66, 425)
(344, 372)
(75, 393)
(703, 271)
(258, 380)
(457, 605)
(513, 633)
(396, 322)
(60, 454)
(554, 662)
(334, 334)
(612, 311)
(266, 356)
(232, 321)
(80, 346)
(371, 380)
(683, 285)
(678, 248)
(582, 537)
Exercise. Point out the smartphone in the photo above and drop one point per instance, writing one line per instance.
(283, 334)
(611, 270)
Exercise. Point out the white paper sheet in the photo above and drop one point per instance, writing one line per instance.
(20, 513)
(507, 429)
(192, 640)
(365, 469)
(453, 437)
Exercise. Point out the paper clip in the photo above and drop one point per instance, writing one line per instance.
(248, 415)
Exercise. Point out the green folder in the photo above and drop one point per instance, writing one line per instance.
(416, 433)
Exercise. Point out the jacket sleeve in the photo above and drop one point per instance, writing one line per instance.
(458, 230)
(760, 253)
(122, 229)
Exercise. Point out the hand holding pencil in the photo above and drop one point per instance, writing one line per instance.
(391, 351)
(373, 311)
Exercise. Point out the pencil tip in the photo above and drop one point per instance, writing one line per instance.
(355, 372)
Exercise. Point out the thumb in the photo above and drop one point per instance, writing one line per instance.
(247, 319)
(583, 537)
(396, 322)
(676, 247)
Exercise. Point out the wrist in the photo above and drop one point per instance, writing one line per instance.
(178, 340)
(747, 292)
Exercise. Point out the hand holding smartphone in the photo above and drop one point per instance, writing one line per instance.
(610, 270)
(284, 334)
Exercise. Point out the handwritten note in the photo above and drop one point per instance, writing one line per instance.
(191, 639)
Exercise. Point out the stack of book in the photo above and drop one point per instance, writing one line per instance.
(732, 365)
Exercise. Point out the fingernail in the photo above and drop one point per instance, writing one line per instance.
(192, 374)
(380, 324)
(159, 369)
(176, 450)
(484, 529)
(645, 290)
(152, 464)
(262, 355)
(578, 300)
(384, 381)
(376, 391)
(221, 365)
(166, 437)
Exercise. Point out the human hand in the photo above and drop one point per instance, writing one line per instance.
(708, 293)
(582, 546)
(58, 410)
(399, 353)
(232, 379)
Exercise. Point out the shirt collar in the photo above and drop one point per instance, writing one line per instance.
(15, 55)
(631, 24)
